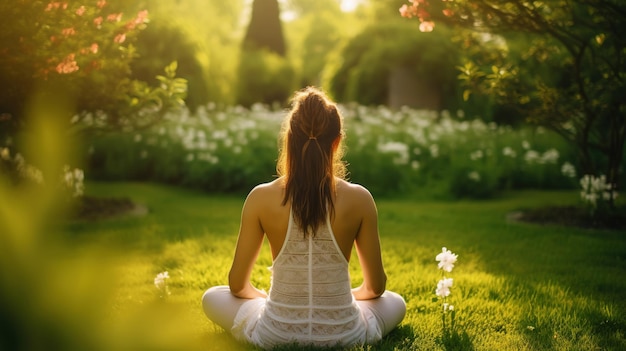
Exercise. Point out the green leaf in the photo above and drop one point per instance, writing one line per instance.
(466, 94)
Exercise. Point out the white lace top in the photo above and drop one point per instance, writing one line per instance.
(310, 299)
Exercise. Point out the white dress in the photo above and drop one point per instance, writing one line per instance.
(310, 300)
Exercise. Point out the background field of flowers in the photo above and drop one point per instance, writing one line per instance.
(390, 152)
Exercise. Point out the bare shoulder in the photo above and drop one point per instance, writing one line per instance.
(355, 193)
(266, 192)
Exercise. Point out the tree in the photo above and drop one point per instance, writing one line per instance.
(581, 39)
(264, 73)
(83, 51)
(265, 30)
(206, 45)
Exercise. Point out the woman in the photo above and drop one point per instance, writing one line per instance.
(311, 218)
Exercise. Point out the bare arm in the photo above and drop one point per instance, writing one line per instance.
(367, 245)
(248, 247)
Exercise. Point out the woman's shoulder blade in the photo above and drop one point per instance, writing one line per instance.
(353, 189)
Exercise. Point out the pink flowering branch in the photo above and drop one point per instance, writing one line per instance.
(424, 11)
(88, 34)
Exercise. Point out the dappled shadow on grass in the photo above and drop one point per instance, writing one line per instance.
(611, 332)
(401, 338)
(90, 208)
(608, 330)
(555, 316)
(574, 216)
(455, 340)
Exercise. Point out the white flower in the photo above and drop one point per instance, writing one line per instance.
(400, 149)
(73, 180)
(446, 259)
(568, 170)
(19, 160)
(478, 154)
(160, 281)
(508, 151)
(5, 154)
(532, 156)
(596, 188)
(79, 175)
(473, 175)
(220, 134)
(550, 156)
(443, 287)
(434, 150)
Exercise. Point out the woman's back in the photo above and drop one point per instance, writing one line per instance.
(310, 299)
(353, 206)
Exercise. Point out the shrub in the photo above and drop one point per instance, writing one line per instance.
(369, 58)
(264, 77)
(165, 41)
(390, 152)
(83, 50)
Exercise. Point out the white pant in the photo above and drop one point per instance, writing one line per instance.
(221, 307)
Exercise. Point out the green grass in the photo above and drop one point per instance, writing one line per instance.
(517, 286)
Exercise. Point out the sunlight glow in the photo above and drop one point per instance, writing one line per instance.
(349, 5)
(288, 16)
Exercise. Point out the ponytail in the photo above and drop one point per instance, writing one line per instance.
(310, 158)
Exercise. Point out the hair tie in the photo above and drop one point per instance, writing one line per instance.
(312, 138)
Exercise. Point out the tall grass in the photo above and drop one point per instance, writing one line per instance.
(517, 286)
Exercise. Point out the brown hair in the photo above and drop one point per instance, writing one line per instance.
(311, 157)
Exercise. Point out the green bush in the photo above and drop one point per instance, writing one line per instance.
(165, 41)
(82, 51)
(214, 150)
(369, 58)
(390, 152)
(264, 77)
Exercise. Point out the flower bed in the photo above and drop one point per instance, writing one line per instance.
(390, 152)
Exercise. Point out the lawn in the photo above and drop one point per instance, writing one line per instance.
(517, 286)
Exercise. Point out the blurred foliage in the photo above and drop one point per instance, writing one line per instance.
(389, 152)
(203, 37)
(57, 294)
(264, 74)
(264, 77)
(368, 59)
(564, 54)
(83, 51)
(265, 31)
(163, 42)
(314, 37)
